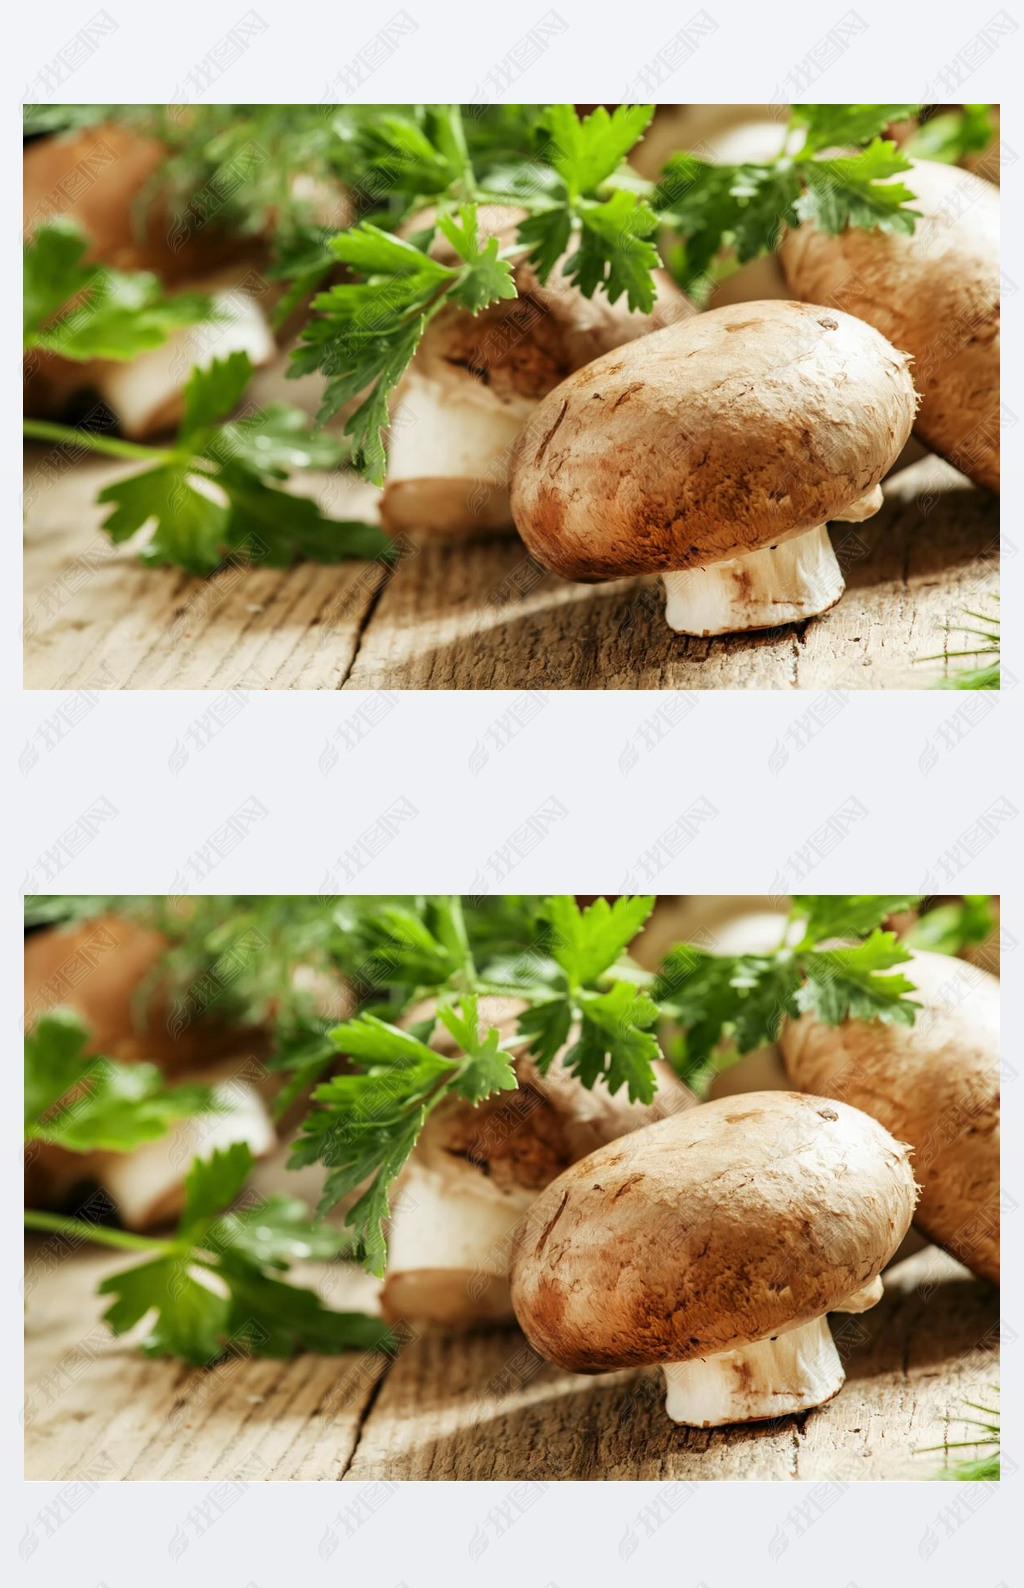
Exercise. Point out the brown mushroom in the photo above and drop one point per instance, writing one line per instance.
(714, 1244)
(477, 1169)
(934, 1084)
(108, 971)
(714, 453)
(476, 379)
(934, 294)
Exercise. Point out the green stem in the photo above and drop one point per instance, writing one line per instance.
(124, 1240)
(461, 935)
(42, 430)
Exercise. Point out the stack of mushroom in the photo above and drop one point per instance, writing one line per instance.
(478, 1168)
(714, 1243)
(714, 453)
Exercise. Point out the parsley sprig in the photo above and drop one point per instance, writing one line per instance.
(84, 311)
(215, 491)
(244, 1251)
(742, 210)
(83, 1103)
(743, 999)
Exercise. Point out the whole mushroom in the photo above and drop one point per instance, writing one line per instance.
(476, 379)
(108, 970)
(935, 294)
(714, 1244)
(714, 453)
(478, 1168)
(934, 1084)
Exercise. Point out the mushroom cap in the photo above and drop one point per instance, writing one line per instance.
(108, 970)
(935, 294)
(724, 434)
(935, 1085)
(98, 178)
(721, 1226)
(519, 1141)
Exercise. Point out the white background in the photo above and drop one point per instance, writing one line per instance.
(704, 792)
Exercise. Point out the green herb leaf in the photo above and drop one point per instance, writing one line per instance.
(848, 914)
(615, 1043)
(191, 1319)
(241, 1253)
(827, 125)
(215, 494)
(614, 251)
(587, 150)
(212, 1183)
(85, 311)
(190, 530)
(950, 928)
(845, 984)
(214, 390)
(855, 191)
(587, 942)
(953, 134)
(84, 1103)
(487, 279)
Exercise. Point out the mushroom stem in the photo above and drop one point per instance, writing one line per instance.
(148, 1185)
(770, 1378)
(448, 1251)
(796, 579)
(448, 459)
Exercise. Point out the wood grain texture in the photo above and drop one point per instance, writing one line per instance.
(483, 615)
(485, 1406)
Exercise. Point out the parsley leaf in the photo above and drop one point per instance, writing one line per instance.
(847, 914)
(825, 125)
(243, 1252)
(853, 191)
(190, 530)
(191, 1320)
(729, 1005)
(744, 208)
(844, 983)
(83, 1103)
(954, 133)
(950, 928)
(489, 1068)
(367, 1124)
(586, 942)
(488, 279)
(215, 491)
(615, 1043)
(85, 311)
(587, 150)
(614, 251)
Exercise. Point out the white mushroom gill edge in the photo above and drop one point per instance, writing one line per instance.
(791, 1372)
(797, 579)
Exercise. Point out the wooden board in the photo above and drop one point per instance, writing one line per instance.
(482, 615)
(483, 1406)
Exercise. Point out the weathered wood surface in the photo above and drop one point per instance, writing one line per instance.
(482, 616)
(484, 1406)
